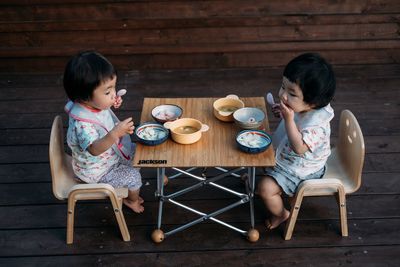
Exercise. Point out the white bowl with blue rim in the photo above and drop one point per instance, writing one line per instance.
(253, 141)
(249, 117)
(151, 133)
(166, 112)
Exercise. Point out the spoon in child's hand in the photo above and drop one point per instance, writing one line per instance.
(270, 99)
(121, 92)
(118, 99)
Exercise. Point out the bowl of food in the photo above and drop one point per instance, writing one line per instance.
(186, 130)
(253, 141)
(151, 134)
(225, 107)
(167, 112)
(249, 118)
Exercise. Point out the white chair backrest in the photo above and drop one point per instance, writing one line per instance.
(351, 148)
(60, 163)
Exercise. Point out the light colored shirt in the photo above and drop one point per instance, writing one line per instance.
(314, 126)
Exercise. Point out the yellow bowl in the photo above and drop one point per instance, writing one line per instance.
(186, 130)
(224, 107)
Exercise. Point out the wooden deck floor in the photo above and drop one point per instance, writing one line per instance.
(32, 221)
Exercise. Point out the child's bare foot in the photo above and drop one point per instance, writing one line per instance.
(275, 221)
(136, 206)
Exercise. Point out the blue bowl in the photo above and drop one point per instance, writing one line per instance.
(253, 141)
(151, 134)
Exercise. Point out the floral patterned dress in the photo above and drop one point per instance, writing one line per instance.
(292, 168)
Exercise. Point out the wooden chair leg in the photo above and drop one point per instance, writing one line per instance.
(120, 202)
(343, 211)
(292, 201)
(294, 211)
(117, 207)
(70, 220)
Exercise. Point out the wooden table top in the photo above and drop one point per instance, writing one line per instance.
(217, 146)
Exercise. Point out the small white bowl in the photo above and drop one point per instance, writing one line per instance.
(249, 118)
(167, 112)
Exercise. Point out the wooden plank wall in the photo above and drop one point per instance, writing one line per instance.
(40, 35)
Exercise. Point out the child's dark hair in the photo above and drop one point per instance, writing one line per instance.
(314, 76)
(84, 73)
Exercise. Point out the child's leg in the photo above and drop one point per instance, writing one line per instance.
(134, 201)
(271, 194)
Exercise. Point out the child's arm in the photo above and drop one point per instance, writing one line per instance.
(101, 145)
(294, 135)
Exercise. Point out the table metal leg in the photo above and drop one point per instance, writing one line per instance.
(158, 235)
(253, 234)
(160, 194)
(252, 177)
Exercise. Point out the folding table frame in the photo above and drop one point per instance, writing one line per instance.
(248, 197)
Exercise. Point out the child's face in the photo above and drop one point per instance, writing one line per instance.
(104, 95)
(292, 96)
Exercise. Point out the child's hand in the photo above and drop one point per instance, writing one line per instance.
(118, 101)
(276, 110)
(123, 127)
(118, 98)
(286, 112)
